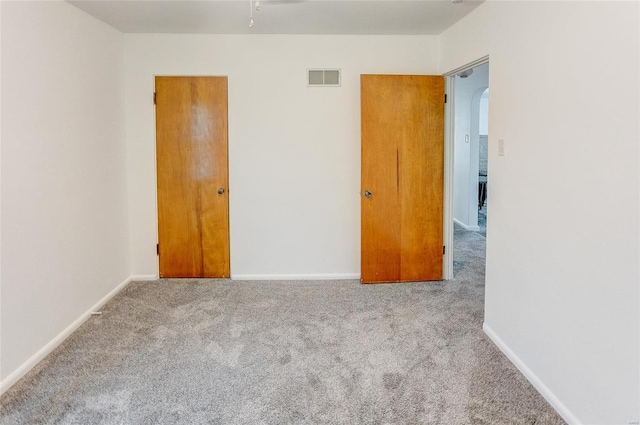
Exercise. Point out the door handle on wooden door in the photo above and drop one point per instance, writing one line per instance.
(220, 191)
(367, 194)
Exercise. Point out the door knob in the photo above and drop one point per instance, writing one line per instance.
(367, 194)
(220, 191)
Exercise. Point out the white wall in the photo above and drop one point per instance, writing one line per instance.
(467, 94)
(64, 203)
(484, 114)
(562, 282)
(294, 151)
(1, 193)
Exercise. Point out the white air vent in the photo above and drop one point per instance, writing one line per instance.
(323, 77)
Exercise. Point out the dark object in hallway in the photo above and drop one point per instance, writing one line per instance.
(482, 190)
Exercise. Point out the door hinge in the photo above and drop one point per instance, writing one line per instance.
(154, 98)
(444, 249)
(445, 98)
(157, 249)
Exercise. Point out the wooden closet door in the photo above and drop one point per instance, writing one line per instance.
(402, 177)
(192, 170)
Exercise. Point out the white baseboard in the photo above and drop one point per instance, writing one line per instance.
(142, 277)
(15, 376)
(466, 227)
(532, 377)
(337, 276)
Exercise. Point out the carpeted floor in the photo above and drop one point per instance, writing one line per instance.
(469, 250)
(332, 352)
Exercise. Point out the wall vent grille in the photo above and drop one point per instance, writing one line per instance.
(323, 78)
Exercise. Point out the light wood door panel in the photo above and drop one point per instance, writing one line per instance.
(380, 251)
(191, 152)
(402, 167)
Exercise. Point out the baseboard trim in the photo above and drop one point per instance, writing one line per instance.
(337, 276)
(143, 277)
(466, 227)
(17, 374)
(548, 395)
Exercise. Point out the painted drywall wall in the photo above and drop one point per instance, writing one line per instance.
(484, 113)
(64, 190)
(467, 92)
(0, 192)
(294, 151)
(562, 274)
(483, 131)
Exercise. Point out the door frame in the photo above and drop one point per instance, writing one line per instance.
(449, 126)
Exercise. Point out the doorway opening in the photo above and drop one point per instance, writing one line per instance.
(467, 174)
(483, 156)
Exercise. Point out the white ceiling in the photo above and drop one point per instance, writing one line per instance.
(279, 16)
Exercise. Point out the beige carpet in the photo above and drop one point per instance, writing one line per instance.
(333, 352)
